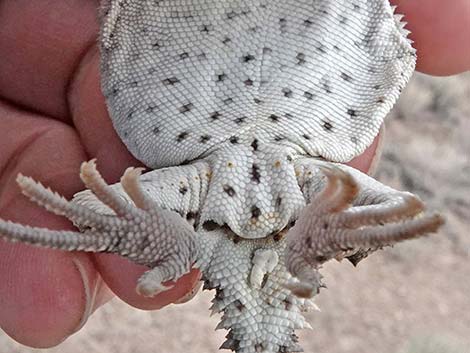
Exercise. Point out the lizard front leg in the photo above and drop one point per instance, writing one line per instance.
(124, 219)
(349, 215)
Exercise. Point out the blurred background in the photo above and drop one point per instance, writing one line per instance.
(413, 298)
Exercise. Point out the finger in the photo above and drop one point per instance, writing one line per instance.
(440, 30)
(90, 117)
(41, 44)
(101, 141)
(121, 276)
(367, 161)
(45, 295)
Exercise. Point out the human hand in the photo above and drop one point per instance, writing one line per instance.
(53, 117)
(50, 98)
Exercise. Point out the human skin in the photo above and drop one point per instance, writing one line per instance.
(53, 117)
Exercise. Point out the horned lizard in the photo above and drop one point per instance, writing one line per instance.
(245, 110)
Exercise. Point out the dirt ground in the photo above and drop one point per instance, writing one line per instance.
(414, 298)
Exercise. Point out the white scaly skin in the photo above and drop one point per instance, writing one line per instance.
(244, 109)
(341, 219)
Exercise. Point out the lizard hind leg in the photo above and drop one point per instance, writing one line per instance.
(351, 215)
(92, 241)
(145, 233)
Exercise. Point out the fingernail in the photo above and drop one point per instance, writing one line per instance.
(90, 293)
(378, 151)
